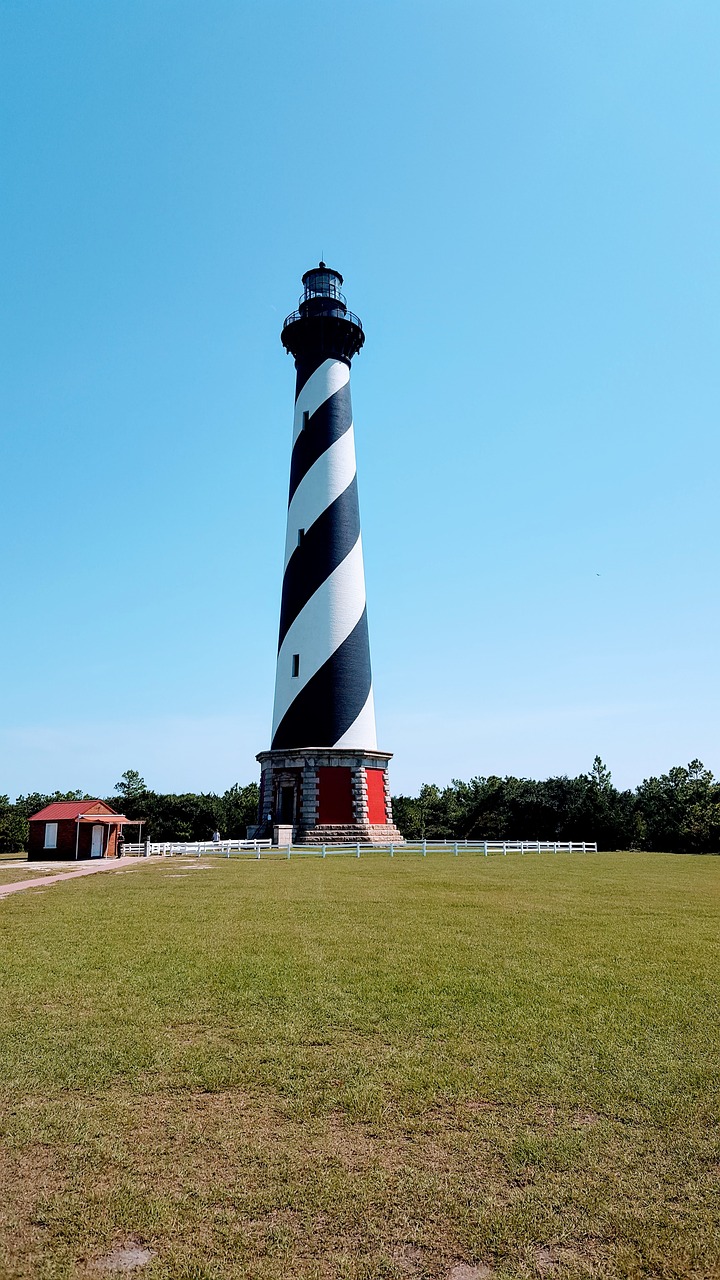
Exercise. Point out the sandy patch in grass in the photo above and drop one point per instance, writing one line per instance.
(27, 872)
(126, 1257)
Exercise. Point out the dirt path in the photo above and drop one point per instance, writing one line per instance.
(113, 864)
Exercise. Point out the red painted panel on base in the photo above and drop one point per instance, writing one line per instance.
(376, 795)
(335, 794)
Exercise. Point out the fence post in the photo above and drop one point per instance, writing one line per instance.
(392, 850)
(424, 848)
(505, 848)
(357, 850)
(289, 851)
(456, 851)
(484, 847)
(323, 852)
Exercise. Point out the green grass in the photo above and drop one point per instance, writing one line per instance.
(364, 1068)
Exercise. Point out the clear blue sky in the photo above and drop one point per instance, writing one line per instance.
(523, 198)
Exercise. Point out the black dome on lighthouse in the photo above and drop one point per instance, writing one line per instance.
(322, 269)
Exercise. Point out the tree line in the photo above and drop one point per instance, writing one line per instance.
(188, 816)
(678, 812)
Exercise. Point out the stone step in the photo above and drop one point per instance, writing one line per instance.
(350, 833)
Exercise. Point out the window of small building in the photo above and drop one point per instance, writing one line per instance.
(306, 418)
(301, 535)
(51, 835)
(296, 664)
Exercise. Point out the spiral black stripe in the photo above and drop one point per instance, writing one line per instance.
(325, 545)
(332, 699)
(327, 424)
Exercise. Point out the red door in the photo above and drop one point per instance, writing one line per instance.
(376, 795)
(335, 794)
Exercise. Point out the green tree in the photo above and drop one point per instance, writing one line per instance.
(406, 816)
(130, 787)
(239, 810)
(600, 777)
(680, 811)
(13, 828)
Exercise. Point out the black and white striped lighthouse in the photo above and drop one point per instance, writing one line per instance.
(324, 780)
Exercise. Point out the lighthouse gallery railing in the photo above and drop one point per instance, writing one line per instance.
(345, 315)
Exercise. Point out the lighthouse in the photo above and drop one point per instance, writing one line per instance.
(324, 780)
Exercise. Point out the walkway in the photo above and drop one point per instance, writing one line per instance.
(102, 864)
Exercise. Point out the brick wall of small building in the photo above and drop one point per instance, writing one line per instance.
(66, 836)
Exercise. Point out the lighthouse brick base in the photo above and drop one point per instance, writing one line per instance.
(326, 796)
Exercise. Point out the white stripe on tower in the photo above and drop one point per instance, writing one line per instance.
(323, 688)
(362, 729)
(323, 483)
(324, 624)
(325, 381)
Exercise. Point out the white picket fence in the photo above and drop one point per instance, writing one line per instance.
(263, 848)
(195, 848)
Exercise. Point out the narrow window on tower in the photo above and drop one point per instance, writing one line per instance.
(296, 664)
(306, 418)
(301, 535)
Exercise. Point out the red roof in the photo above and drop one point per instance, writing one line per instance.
(68, 809)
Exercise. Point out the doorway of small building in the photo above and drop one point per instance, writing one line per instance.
(96, 848)
(287, 805)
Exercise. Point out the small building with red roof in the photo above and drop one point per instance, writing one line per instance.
(74, 829)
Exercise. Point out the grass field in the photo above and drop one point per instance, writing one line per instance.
(364, 1069)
